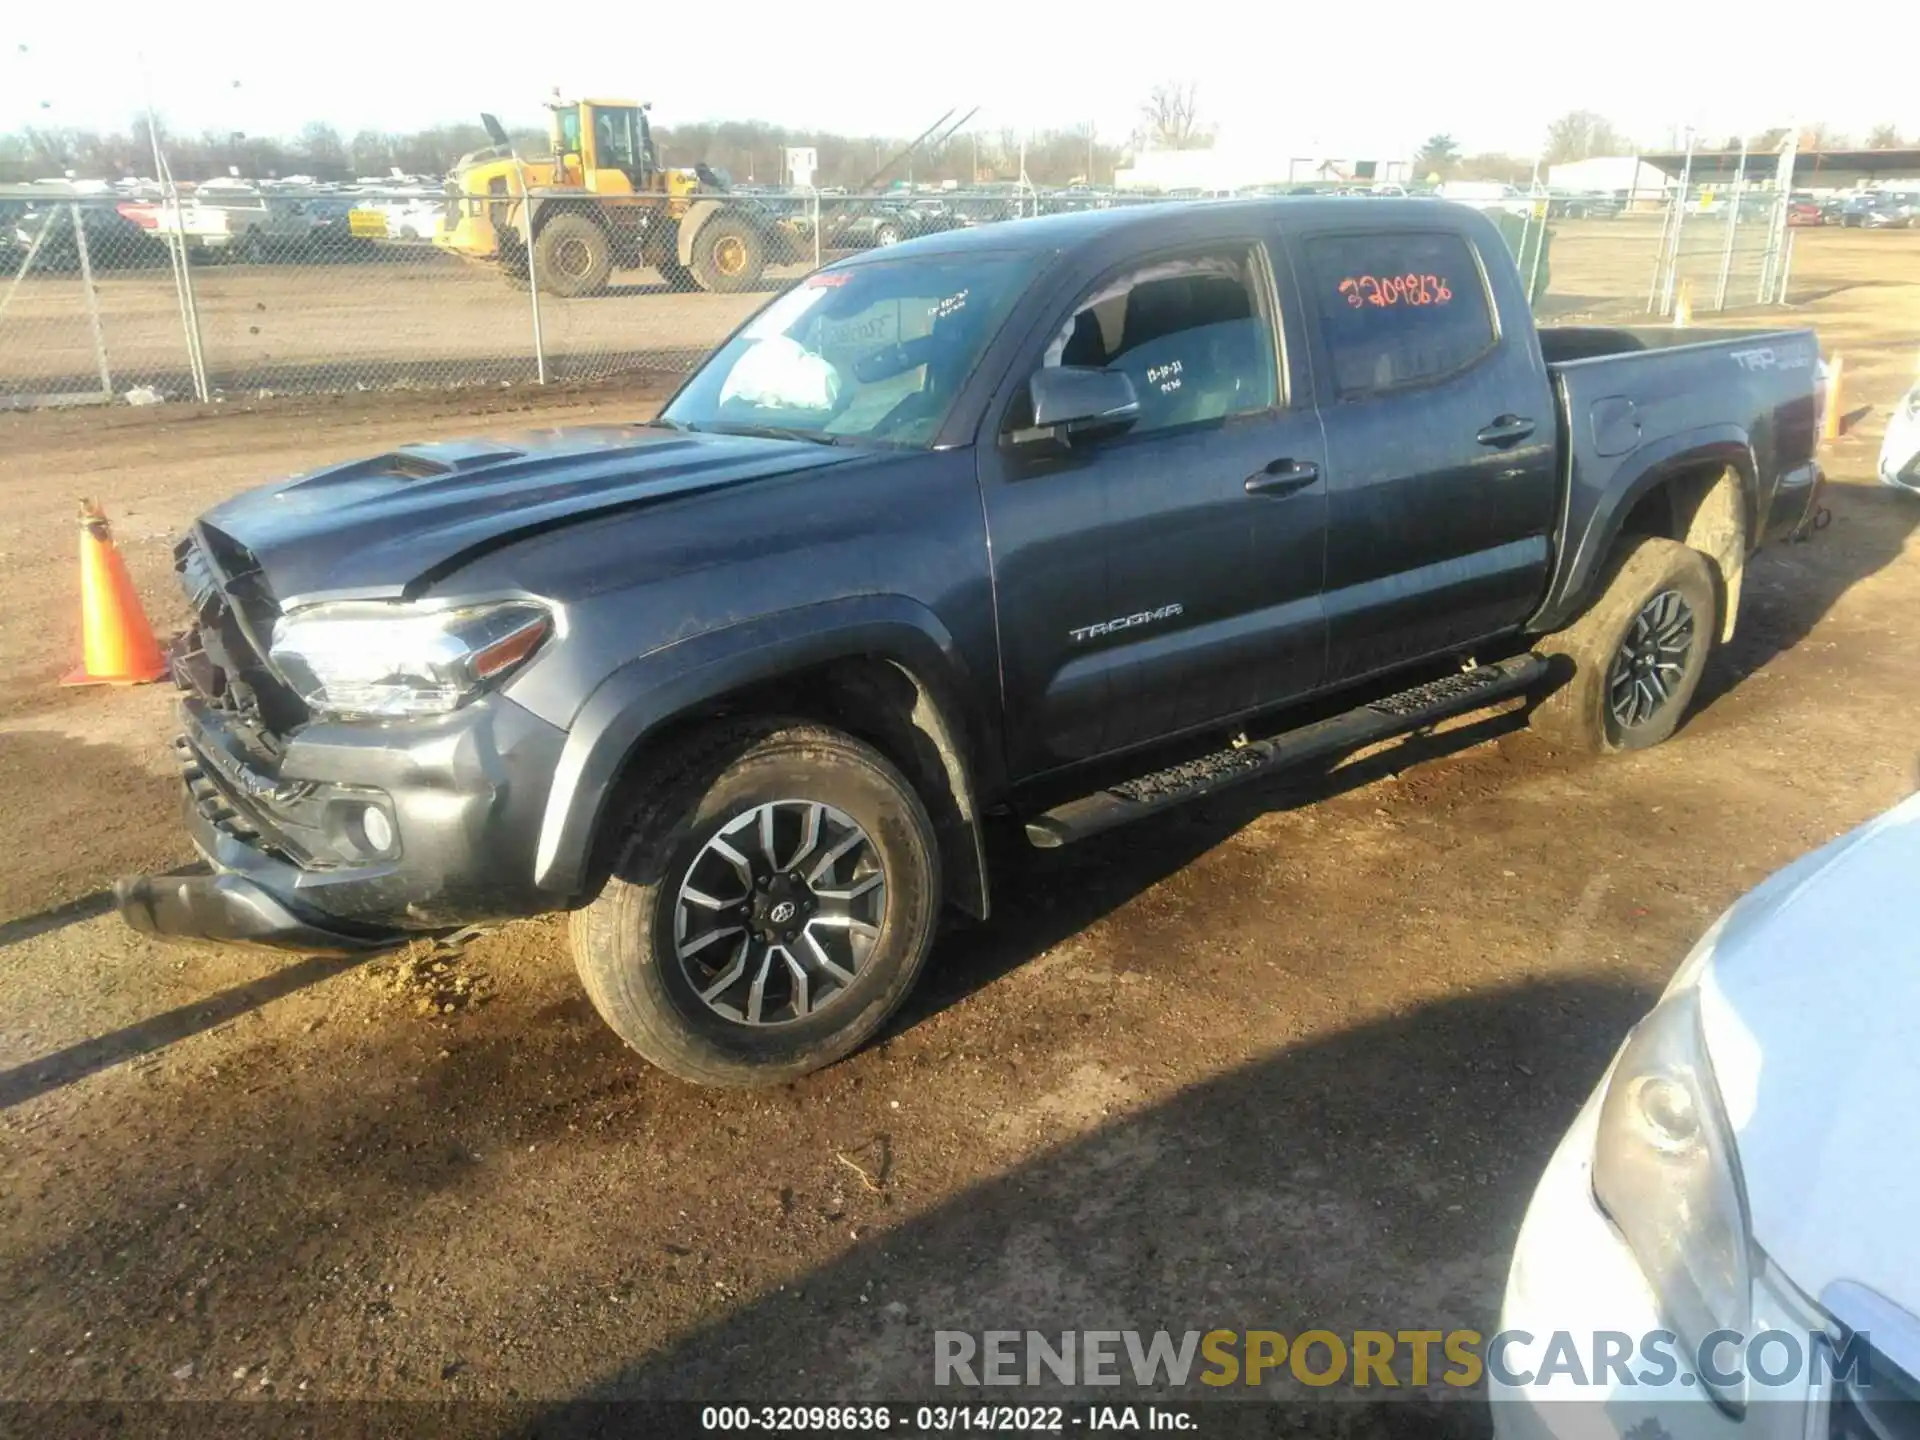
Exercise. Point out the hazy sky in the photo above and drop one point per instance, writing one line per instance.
(1339, 79)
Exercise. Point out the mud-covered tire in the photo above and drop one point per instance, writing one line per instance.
(572, 256)
(1601, 660)
(624, 941)
(728, 255)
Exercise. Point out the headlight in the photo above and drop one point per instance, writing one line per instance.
(1664, 1169)
(374, 659)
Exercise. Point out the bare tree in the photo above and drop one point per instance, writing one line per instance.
(1821, 136)
(371, 153)
(1579, 134)
(1883, 137)
(1170, 118)
(320, 152)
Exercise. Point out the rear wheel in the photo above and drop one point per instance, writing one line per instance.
(572, 256)
(772, 903)
(728, 255)
(1632, 662)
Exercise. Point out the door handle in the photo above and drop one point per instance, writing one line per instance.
(1283, 477)
(1506, 430)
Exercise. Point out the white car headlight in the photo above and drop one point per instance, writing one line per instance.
(389, 661)
(1665, 1171)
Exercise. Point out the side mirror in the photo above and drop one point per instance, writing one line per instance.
(1075, 403)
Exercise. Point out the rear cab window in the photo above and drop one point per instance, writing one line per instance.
(1397, 308)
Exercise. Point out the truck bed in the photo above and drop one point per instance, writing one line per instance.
(1629, 401)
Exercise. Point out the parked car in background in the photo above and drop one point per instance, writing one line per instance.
(395, 217)
(1804, 212)
(232, 221)
(1880, 210)
(1741, 1183)
(46, 228)
(1587, 205)
(1891, 211)
(1900, 450)
(888, 222)
(1486, 195)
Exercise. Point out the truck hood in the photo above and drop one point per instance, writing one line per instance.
(387, 527)
(1810, 1001)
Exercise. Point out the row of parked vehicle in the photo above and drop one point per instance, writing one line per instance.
(1864, 210)
(126, 227)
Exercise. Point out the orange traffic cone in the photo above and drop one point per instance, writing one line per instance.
(119, 644)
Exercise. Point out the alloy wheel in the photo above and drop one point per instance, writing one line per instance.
(779, 911)
(1651, 661)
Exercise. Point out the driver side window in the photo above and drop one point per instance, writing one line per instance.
(1188, 331)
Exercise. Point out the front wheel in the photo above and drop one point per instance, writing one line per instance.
(728, 255)
(1631, 663)
(771, 905)
(572, 256)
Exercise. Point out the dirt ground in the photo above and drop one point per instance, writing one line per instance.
(1292, 1058)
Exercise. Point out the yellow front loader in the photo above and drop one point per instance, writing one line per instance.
(602, 201)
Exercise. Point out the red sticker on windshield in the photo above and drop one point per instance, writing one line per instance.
(829, 280)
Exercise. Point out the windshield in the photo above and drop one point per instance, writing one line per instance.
(876, 351)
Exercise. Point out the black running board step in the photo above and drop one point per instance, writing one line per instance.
(1377, 720)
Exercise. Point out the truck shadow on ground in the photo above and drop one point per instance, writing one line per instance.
(1044, 897)
(1373, 1178)
(76, 1062)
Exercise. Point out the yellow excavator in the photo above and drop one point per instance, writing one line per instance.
(602, 200)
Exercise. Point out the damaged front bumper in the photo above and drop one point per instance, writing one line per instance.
(232, 910)
(416, 827)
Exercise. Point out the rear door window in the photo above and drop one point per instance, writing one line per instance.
(1397, 308)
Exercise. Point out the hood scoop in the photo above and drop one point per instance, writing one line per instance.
(421, 462)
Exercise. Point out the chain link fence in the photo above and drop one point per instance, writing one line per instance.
(239, 291)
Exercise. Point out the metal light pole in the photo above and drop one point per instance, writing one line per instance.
(1733, 226)
(170, 203)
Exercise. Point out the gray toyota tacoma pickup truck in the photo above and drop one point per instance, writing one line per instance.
(1064, 521)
